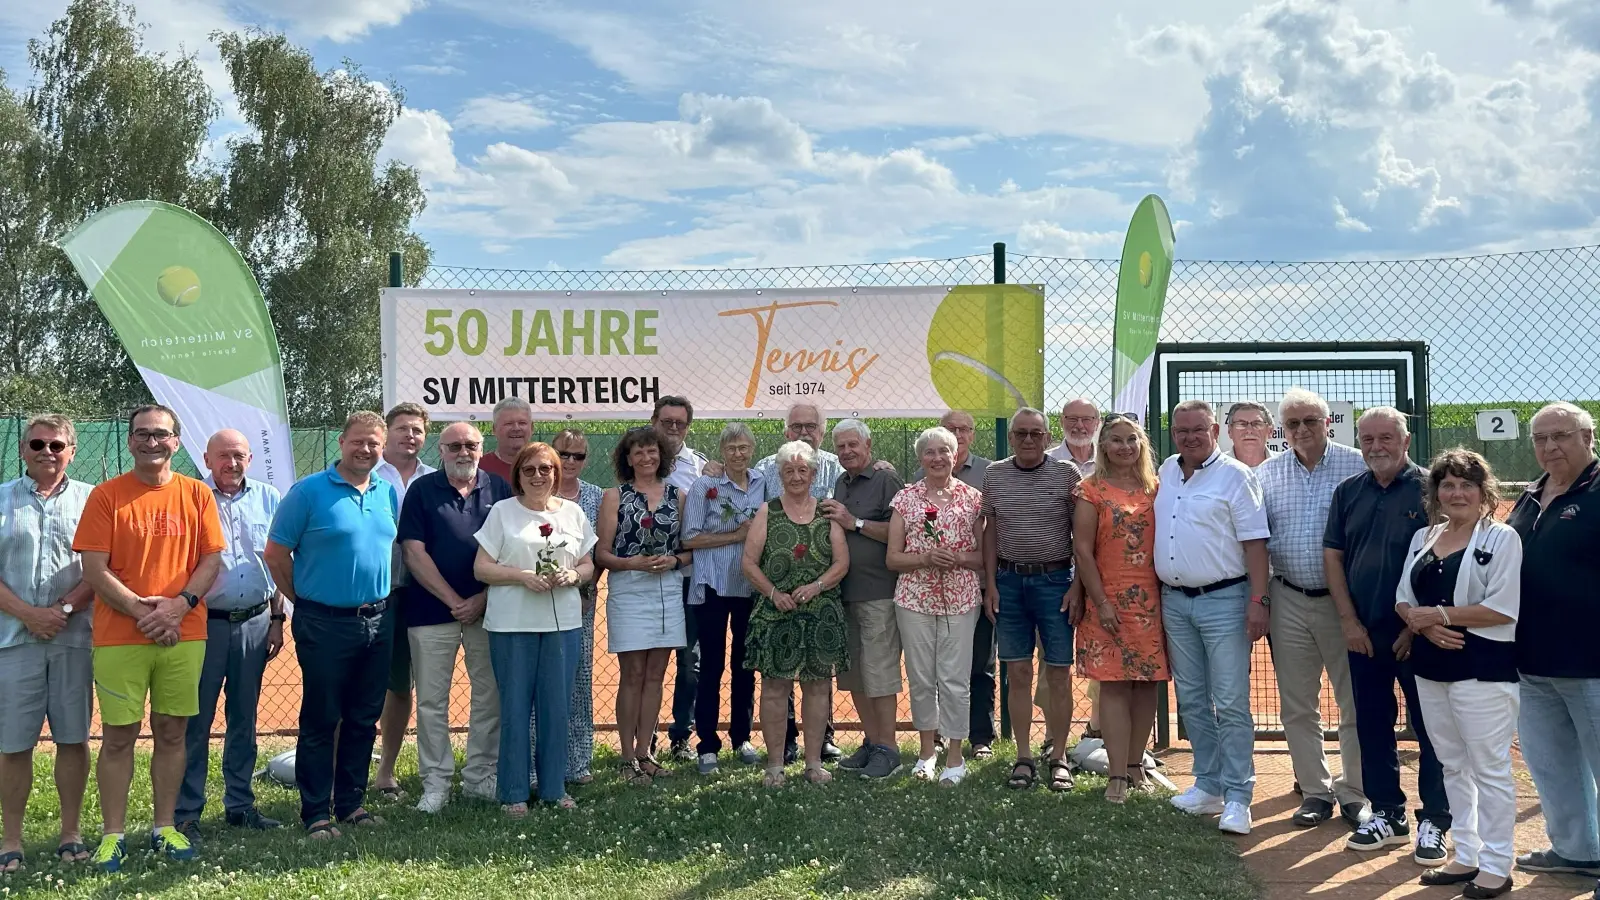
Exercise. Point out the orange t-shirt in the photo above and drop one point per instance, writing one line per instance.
(156, 536)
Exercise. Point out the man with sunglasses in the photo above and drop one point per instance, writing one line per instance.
(671, 419)
(444, 605)
(152, 548)
(45, 658)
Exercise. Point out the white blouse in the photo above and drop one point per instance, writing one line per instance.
(512, 537)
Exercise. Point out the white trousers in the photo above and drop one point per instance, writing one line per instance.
(1471, 724)
(433, 666)
(938, 651)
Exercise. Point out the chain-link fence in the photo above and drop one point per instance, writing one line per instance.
(1508, 331)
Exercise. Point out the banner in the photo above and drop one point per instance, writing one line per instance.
(863, 351)
(1141, 295)
(1342, 430)
(189, 313)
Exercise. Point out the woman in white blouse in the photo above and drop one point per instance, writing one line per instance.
(533, 552)
(1461, 593)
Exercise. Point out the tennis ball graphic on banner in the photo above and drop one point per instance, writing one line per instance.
(1145, 268)
(178, 286)
(985, 348)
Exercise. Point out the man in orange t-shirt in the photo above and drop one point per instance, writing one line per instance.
(152, 545)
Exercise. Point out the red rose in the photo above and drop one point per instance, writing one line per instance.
(931, 512)
(648, 522)
(545, 530)
(711, 493)
(799, 550)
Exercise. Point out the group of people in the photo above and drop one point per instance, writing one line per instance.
(154, 590)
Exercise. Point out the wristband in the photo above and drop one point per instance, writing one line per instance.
(1445, 614)
(277, 617)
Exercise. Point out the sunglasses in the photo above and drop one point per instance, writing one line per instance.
(458, 446)
(38, 444)
(1108, 418)
(575, 457)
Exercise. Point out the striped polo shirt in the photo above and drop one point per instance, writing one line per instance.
(1031, 509)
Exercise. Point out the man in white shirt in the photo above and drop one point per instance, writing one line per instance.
(1211, 557)
(408, 432)
(671, 419)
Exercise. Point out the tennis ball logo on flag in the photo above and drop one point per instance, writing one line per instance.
(178, 286)
(986, 348)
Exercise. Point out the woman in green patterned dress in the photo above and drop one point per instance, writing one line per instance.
(795, 558)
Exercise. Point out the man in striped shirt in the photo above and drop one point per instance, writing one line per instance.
(1028, 501)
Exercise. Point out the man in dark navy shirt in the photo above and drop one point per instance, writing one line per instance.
(1370, 526)
(1558, 518)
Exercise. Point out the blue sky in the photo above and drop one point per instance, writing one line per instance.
(606, 134)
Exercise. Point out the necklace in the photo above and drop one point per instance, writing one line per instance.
(941, 492)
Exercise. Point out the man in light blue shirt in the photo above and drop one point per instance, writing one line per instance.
(329, 553)
(46, 664)
(804, 422)
(244, 630)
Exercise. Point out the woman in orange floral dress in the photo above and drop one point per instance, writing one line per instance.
(1118, 615)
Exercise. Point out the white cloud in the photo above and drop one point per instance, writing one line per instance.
(955, 143)
(743, 126)
(1041, 238)
(427, 69)
(421, 138)
(501, 113)
(338, 20)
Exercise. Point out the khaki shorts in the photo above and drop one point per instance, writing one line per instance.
(124, 676)
(45, 682)
(874, 641)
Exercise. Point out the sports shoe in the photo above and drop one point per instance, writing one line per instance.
(682, 752)
(1430, 845)
(1196, 802)
(882, 762)
(1379, 832)
(433, 801)
(249, 817)
(746, 754)
(1235, 818)
(1313, 811)
(1550, 861)
(857, 761)
(172, 843)
(791, 754)
(707, 764)
(113, 849)
(487, 789)
(191, 830)
(831, 752)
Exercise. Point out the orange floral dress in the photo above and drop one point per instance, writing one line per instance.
(1124, 544)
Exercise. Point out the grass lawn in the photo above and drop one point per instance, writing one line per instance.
(723, 836)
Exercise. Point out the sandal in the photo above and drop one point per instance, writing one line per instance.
(1137, 781)
(1061, 775)
(8, 858)
(322, 830)
(514, 810)
(72, 852)
(362, 819)
(392, 793)
(773, 777)
(566, 802)
(654, 769)
(1118, 796)
(818, 775)
(1019, 781)
(982, 751)
(953, 775)
(633, 775)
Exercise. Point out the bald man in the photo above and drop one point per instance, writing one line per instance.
(244, 630)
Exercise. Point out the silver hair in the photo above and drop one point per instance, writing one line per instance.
(955, 413)
(57, 423)
(1577, 414)
(1387, 414)
(1250, 404)
(796, 451)
(822, 417)
(846, 426)
(1195, 406)
(512, 403)
(1027, 411)
(734, 431)
(935, 435)
(1299, 396)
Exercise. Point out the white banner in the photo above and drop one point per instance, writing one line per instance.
(879, 351)
(1342, 430)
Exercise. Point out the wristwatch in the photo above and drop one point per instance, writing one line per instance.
(66, 609)
(859, 524)
(277, 617)
(1264, 600)
(191, 598)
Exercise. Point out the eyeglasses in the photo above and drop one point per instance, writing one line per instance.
(1539, 440)
(672, 424)
(1029, 435)
(1297, 424)
(541, 471)
(1078, 420)
(458, 446)
(575, 457)
(159, 436)
(962, 429)
(804, 427)
(38, 444)
(1250, 425)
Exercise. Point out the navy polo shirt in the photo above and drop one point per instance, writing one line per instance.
(1373, 525)
(342, 538)
(438, 516)
(1560, 579)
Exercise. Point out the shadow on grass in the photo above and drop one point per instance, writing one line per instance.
(691, 837)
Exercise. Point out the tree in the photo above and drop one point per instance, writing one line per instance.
(26, 307)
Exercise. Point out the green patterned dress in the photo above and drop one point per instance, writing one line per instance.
(807, 643)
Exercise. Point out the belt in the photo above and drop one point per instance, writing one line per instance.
(1309, 592)
(1006, 565)
(365, 610)
(1211, 588)
(235, 616)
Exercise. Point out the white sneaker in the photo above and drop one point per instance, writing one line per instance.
(1235, 818)
(1196, 802)
(433, 801)
(487, 789)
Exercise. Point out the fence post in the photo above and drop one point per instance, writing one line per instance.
(1001, 451)
(397, 269)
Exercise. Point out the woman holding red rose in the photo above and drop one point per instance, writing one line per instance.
(933, 544)
(795, 558)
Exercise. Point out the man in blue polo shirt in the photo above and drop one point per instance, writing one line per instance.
(1370, 524)
(444, 607)
(329, 552)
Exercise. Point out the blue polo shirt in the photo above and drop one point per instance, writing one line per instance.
(1372, 525)
(342, 538)
(438, 516)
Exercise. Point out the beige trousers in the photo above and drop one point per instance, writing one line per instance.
(433, 666)
(1306, 640)
(938, 651)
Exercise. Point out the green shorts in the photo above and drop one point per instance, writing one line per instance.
(169, 676)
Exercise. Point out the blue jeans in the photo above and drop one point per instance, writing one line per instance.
(1372, 681)
(534, 670)
(1208, 647)
(1029, 605)
(236, 655)
(1560, 731)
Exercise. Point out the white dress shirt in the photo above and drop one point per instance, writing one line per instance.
(1201, 522)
